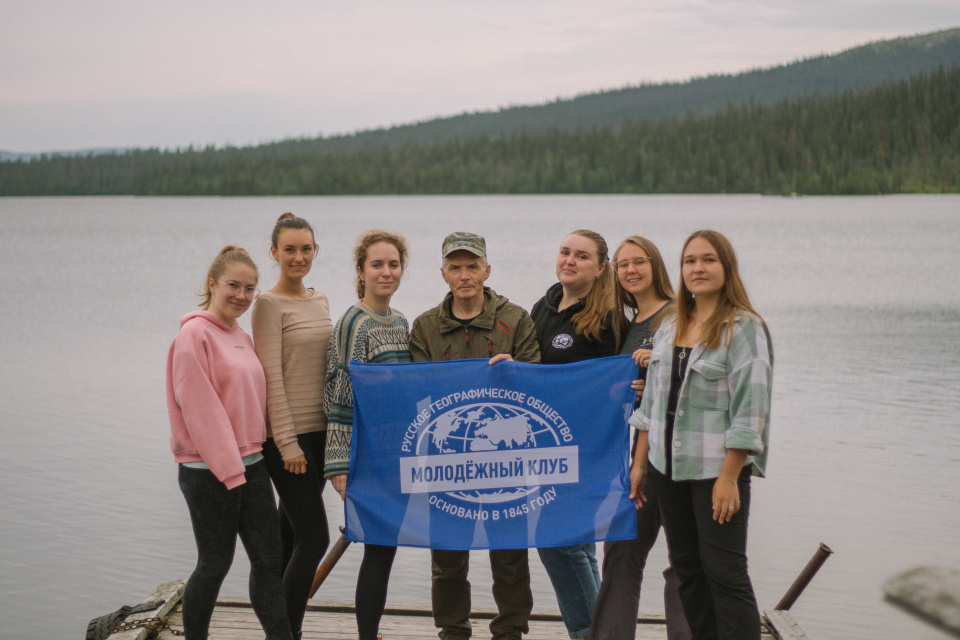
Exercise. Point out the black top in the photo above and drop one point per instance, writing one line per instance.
(677, 373)
(640, 336)
(556, 333)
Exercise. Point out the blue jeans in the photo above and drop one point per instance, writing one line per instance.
(218, 516)
(575, 577)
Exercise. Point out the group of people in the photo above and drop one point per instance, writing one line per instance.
(280, 407)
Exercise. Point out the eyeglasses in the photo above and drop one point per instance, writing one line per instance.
(236, 289)
(637, 262)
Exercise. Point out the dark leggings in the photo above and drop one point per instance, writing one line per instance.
(303, 520)
(618, 604)
(372, 588)
(218, 515)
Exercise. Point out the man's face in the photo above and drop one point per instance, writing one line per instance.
(465, 273)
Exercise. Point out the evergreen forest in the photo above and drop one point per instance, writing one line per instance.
(902, 137)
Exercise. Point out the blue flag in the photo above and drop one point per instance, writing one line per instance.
(464, 455)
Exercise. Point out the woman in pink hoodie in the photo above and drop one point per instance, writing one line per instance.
(217, 399)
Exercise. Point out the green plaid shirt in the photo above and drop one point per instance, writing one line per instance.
(724, 402)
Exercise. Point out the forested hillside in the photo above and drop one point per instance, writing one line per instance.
(861, 67)
(901, 137)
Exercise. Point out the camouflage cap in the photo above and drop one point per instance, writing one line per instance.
(463, 241)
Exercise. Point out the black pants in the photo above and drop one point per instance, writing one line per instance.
(218, 516)
(371, 596)
(303, 520)
(710, 559)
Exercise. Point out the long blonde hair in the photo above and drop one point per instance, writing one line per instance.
(599, 302)
(733, 297)
(661, 283)
(227, 256)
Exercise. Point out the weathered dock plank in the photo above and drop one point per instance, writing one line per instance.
(235, 620)
(930, 593)
(241, 623)
(783, 625)
(168, 594)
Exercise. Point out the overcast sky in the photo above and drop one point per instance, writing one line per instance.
(124, 73)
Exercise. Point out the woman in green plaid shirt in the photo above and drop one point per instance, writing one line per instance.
(704, 430)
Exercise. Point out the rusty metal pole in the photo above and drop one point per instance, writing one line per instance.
(804, 578)
(329, 561)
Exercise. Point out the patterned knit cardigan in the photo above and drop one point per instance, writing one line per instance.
(366, 336)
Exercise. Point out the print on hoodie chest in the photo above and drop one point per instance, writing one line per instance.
(562, 341)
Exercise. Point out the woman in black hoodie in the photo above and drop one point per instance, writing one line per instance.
(577, 320)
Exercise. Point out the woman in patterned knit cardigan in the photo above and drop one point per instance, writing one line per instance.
(370, 331)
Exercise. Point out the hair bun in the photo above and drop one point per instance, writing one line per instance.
(288, 221)
(232, 248)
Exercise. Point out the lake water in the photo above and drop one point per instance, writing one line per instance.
(861, 295)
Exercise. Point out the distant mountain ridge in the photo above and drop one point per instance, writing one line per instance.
(865, 66)
(900, 137)
(861, 67)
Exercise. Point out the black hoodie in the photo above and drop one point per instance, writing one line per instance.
(557, 335)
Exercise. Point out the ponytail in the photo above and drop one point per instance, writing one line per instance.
(227, 256)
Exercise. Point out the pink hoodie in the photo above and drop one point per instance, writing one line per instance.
(216, 396)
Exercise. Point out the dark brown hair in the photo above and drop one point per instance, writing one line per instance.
(289, 221)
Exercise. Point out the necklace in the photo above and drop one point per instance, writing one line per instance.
(682, 370)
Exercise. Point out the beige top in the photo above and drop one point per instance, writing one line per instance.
(291, 336)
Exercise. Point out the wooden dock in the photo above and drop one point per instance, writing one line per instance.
(234, 619)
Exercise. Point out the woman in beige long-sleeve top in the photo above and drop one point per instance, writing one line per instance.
(291, 332)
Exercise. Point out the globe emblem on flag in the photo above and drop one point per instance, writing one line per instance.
(487, 426)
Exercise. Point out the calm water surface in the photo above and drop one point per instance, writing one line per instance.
(861, 295)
